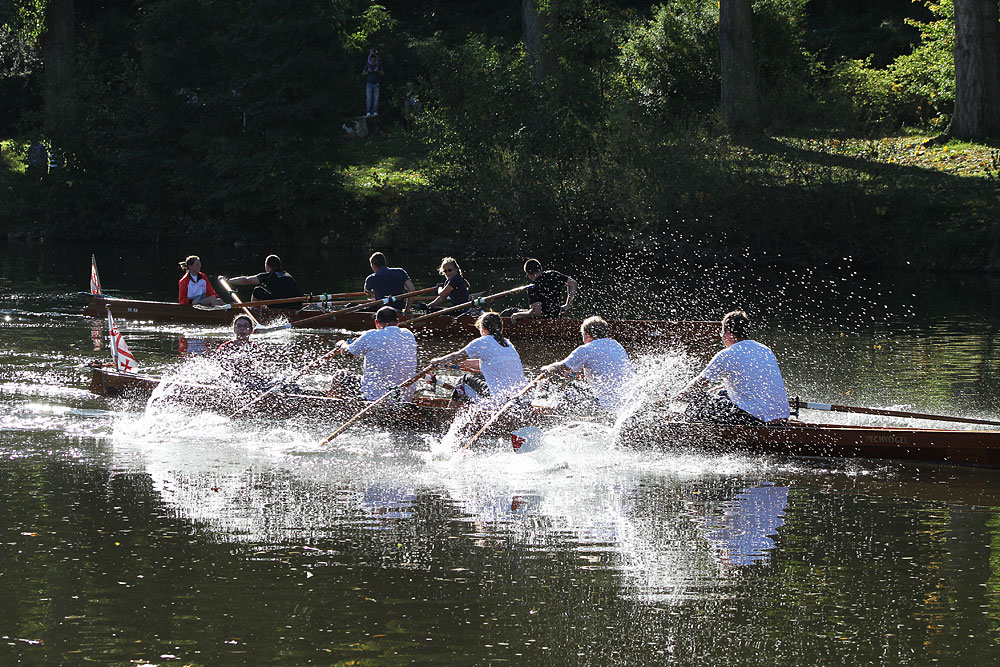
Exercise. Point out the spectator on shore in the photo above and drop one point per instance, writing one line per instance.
(373, 74)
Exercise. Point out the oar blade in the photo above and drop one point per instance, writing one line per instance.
(526, 439)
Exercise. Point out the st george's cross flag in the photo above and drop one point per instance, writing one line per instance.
(95, 280)
(124, 361)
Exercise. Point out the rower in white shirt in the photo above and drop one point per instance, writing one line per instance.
(752, 390)
(390, 355)
(605, 366)
(492, 356)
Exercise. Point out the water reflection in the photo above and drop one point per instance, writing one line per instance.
(743, 534)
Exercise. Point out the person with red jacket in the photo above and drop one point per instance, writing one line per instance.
(193, 287)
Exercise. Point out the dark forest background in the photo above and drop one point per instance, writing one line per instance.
(505, 127)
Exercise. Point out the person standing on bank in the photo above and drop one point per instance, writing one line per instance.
(274, 283)
(390, 355)
(194, 287)
(385, 281)
(455, 289)
(752, 391)
(545, 293)
(373, 74)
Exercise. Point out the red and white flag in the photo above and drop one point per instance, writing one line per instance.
(124, 361)
(95, 280)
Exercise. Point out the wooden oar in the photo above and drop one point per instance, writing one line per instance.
(236, 298)
(368, 304)
(469, 304)
(371, 406)
(808, 405)
(506, 406)
(308, 298)
(279, 383)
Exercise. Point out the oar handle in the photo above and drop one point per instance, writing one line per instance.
(468, 304)
(353, 309)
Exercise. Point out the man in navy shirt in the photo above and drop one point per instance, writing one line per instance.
(387, 281)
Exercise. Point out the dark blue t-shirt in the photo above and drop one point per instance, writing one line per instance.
(387, 282)
(548, 290)
(459, 290)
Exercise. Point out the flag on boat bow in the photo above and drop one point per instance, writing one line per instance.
(124, 361)
(95, 280)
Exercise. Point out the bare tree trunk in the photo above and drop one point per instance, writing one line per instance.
(58, 56)
(740, 103)
(977, 70)
(533, 28)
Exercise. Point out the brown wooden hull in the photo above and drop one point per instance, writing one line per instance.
(660, 333)
(967, 447)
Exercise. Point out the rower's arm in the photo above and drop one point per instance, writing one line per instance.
(535, 311)
(570, 294)
(559, 367)
(694, 386)
(244, 280)
(442, 296)
(409, 301)
(458, 355)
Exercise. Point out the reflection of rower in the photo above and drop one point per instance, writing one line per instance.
(743, 535)
(240, 358)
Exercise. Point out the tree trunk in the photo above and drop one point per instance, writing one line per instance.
(533, 27)
(740, 103)
(58, 55)
(977, 70)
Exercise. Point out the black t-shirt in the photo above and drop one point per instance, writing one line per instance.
(280, 284)
(548, 289)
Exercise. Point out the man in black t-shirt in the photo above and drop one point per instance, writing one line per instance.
(545, 293)
(274, 283)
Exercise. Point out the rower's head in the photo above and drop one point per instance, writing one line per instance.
(490, 324)
(735, 327)
(532, 268)
(387, 316)
(449, 267)
(192, 264)
(594, 327)
(377, 260)
(272, 263)
(242, 327)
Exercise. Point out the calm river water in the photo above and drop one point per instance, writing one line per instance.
(126, 539)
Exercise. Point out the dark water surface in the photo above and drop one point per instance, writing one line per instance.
(133, 537)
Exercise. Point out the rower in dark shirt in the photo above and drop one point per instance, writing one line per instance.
(455, 289)
(274, 283)
(385, 281)
(545, 292)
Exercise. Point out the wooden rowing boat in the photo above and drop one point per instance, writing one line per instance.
(662, 333)
(966, 447)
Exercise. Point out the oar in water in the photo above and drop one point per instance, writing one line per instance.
(809, 405)
(278, 384)
(506, 407)
(371, 406)
(368, 304)
(236, 298)
(469, 304)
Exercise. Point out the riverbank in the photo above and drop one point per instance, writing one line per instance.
(800, 199)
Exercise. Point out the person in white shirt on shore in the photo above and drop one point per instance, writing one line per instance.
(496, 369)
(605, 366)
(390, 355)
(752, 390)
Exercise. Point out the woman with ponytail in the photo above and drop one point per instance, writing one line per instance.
(495, 365)
(193, 287)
